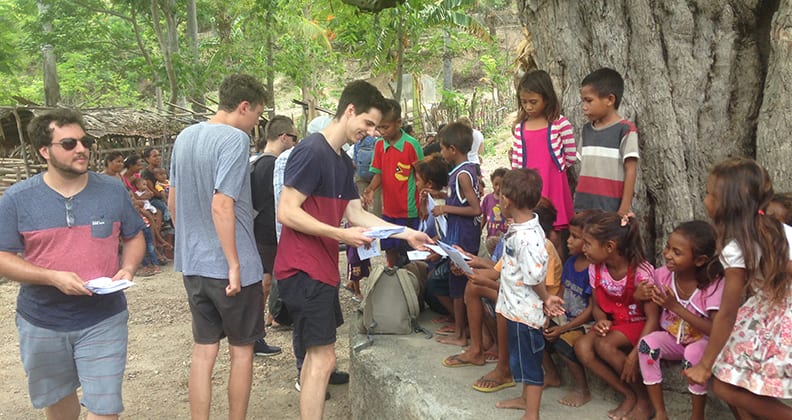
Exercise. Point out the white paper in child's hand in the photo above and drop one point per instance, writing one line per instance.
(105, 285)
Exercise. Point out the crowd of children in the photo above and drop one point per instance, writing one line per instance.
(608, 311)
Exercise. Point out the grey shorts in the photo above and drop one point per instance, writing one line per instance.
(58, 362)
(215, 315)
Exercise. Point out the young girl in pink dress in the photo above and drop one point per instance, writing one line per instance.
(544, 141)
(689, 289)
(750, 346)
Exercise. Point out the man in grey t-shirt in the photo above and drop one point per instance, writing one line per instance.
(210, 202)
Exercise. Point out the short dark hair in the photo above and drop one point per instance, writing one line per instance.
(606, 81)
(523, 187)
(39, 129)
(238, 88)
(547, 214)
(131, 160)
(498, 173)
(278, 125)
(363, 96)
(394, 111)
(147, 152)
(458, 135)
(434, 169)
(111, 156)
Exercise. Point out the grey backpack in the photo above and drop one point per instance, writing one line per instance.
(390, 302)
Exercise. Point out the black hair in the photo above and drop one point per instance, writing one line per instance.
(131, 160)
(393, 111)
(434, 169)
(606, 81)
(701, 236)
(623, 231)
(547, 215)
(39, 129)
(498, 173)
(784, 200)
(539, 82)
(458, 135)
(363, 96)
(238, 88)
(111, 156)
(582, 218)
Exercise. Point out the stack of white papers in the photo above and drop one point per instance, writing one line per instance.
(106, 285)
(458, 258)
(380, 232)
(442, 222)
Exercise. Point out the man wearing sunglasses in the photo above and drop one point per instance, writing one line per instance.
(280, 134)
(67, 222)
(210, 203)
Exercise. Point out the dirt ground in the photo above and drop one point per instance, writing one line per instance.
(160, 344)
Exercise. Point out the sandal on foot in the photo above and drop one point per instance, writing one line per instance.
(455, 361)
(491, 357)
(497, 385)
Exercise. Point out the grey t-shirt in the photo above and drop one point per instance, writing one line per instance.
(207, 158)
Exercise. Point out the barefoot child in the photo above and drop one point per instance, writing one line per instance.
(523, 293)
(578, 308)
(689, 290)
(612, 244)
(431, 176)
(463, 211)
(749, 347)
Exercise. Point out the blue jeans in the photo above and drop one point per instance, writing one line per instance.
(150, 257)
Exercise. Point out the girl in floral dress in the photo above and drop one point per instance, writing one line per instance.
(750, 347)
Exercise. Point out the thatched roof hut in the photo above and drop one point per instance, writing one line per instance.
(122, 129)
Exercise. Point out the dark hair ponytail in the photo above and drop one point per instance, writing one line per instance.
(701, 236)
(624, 231)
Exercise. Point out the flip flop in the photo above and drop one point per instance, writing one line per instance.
(446, 330)
(491, 357)
(498, 385)
(454, 361)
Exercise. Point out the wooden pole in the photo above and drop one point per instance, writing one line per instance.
(22, 144)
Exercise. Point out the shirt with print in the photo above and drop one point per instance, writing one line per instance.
(79, 234)
(577, 289)
(394, 162)
(524, 266)
(699, 303)
(615, 289)
(602, 155)
(490, 208)
(326, 178)
(211, 158)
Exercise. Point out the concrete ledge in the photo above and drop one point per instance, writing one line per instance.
(401, 377)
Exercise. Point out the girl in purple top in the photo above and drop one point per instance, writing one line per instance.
(494, 221)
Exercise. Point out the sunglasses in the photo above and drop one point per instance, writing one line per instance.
(293, 137)
(70, 143)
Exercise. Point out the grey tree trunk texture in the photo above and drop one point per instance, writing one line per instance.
(694, 81)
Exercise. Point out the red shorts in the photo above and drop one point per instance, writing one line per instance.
(631, 330)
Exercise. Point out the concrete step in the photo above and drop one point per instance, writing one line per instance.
(402, 377)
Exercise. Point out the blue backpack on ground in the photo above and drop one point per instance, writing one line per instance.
(363, 154)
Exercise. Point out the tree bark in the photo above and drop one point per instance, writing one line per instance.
(166, 41)
(50, 68)
(693, 85)
(773, 148)
(196, 88)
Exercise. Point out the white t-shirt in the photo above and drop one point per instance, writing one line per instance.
(478, 140)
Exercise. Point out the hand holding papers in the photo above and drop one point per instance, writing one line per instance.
(441, 221)
(458, 258)
(106, 285)
(382, 232)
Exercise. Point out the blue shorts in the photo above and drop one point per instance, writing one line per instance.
(526, 348)
(59, 362)
(391, 243)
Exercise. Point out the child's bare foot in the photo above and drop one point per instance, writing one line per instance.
(452, 340)
(642, 410)
(514, 403)
(623, 409)
(575, 398)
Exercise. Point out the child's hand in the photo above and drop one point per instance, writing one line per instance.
(476, 278)
(554, 306)
(601, 328)
(455, 270)
(630, 371)
(552, 333)
(644, 290)
(698, 374)
(438, 210)
(665, 298)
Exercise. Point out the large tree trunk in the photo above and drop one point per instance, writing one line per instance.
(773, 146)
(196, 87)
(693, 86)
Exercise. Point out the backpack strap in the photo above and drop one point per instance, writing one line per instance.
(408, 287)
